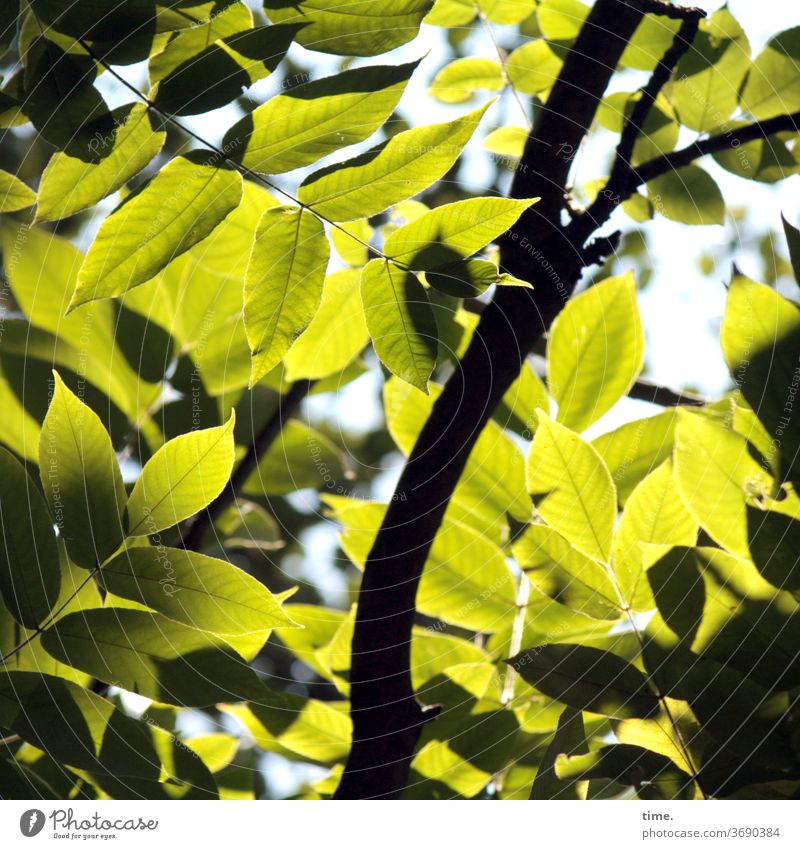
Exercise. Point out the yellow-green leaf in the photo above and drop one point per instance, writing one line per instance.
(181, 478)
(199, 591)
(572, 488)
(315, 118)
(595, 351)
(178, 208)
(400, 320)
(30, 573)
(81, 478)
(14, 194)
(458, 81)
(716, 476)
(396, 170)
(69, 184)
(283, 283)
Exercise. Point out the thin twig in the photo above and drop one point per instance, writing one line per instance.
(487, 28)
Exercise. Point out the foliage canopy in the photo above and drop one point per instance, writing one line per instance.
(599, 614)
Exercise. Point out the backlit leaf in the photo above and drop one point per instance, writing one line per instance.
(595, 351)
(283, 283)
(400, 321)
(181, 478)
(81, 478)
(313, 119)
(178, 208)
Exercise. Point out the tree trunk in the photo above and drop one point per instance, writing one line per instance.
(387, 719)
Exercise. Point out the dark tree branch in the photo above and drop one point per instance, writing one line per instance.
(287, 406)
(628, 180)
(642, 390)
(668, 10)
(634, 125)
(789, 123)
(612, 193)
(387, 719)
(646, 390)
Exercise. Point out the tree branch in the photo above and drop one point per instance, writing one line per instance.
(634, 125)
(789, 123)
(612, 193)
(287, 406)
(631, 178)
(646, 390)
(387, 719)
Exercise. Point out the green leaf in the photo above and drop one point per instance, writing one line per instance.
(30, 573)
(716, 476)
(773, 84)
(452, 231)
(466, 278)
(337, 333)
(283, 283)
(215, 750)
(292, 725)
(198, 297)
(183, 45)
(564, 574)
(194, 589)
(721, 608)
(793, 243)
(687, 195)
(451, 13)
(572, 488)
(649, 43)
(587, 678)
(315, 118)
(761, 344)
(351, 27)
(506, 141)
(14, 194)
(766, 160)
(178, 208)
(299, 458)
(458, 81)
(506, 11)
(76, 593)
(393, 171)
(569, 740)
(217, 74)
(634, 449)
(533, 68)
(123, 756)
(400, 321)
(181, 478)
(61, 100)
(595, 351)
(43, 278)
(69, 184)
(653, 775)
(710, 74)
(81, 479)
(561, 20)
(153, 656)
(654, 514)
